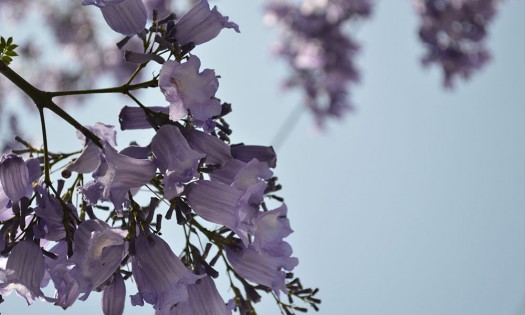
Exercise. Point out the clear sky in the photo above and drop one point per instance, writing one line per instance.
(414, 204)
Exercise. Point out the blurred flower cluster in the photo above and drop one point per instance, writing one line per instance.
(454, 33)
(319, 49)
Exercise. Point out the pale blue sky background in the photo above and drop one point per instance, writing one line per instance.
(414, 204)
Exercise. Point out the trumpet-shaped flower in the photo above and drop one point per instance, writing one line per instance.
(127, 17)
(189, 90)
(116, 175)
(162, 279)
(201, 24)
(203, 299)
(17, 176)
(25, 270)
(175, 159)
(114, 297)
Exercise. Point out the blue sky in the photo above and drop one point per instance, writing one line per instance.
(415, 203)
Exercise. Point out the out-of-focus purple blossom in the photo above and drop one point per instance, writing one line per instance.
(201, 24)
(114, 296)
(319, 52)
(189, 90)
(127, 17)
(175, 158)
(116, 175)
(162, 279)
(203, 299)
(454, 33)
(24, 271)
(261, 267)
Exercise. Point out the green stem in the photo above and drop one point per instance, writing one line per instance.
(44, 100)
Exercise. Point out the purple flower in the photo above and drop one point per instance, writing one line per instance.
(25, 270)
(135, 118)
(187, 90)
(89, 158)
(203, 299)
(98, 252)
(319, 51)
(14, 176)
(175, 159)
(127, 17)
(162, 279)
(217, 152)
(221, 203)
(261, 267)
(50, 211)
(5, 210)
(246, 153)
(66, 285)
(116, 175)
(114, 296)
(454, 33)
(270, 229)
(201, 24)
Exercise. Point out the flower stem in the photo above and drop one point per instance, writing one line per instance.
(47, 166)
(123, 89)
(43, 100)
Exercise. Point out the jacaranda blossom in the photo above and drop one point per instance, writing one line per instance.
(162, 279)
(114, 296)
(99, 250)
(201, 24)
(203, 299)
(127, 17)
(14, 176)
(175, 159)
(261, 267)
(116, 175)
(188, 90)
(24, 271)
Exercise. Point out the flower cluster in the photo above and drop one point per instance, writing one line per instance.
(454, 32)
(215, 189)
(319, 51)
